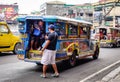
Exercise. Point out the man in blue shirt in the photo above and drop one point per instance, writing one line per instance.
(49, 52)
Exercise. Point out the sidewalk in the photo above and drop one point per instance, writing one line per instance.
(110, 73)
(113, 76)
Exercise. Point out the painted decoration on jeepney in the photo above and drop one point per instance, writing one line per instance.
(66, 44)
(83, 46)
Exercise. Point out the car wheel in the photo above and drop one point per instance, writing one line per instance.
(96, 53)
(16, 47)
(72, 59)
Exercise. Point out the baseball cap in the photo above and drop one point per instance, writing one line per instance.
(51, 26)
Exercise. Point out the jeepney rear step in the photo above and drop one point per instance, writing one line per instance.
(34, 60)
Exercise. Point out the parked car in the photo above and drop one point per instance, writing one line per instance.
(8, 41)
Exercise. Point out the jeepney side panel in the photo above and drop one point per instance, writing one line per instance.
(24, 37)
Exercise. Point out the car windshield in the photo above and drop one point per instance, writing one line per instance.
(3, 29)
(14, 29)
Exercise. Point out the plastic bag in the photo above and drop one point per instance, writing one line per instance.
(36, 32)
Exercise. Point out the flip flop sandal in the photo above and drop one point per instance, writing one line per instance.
(42, 76)
(55, 75)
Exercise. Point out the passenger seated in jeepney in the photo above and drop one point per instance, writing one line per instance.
(104, 34)
(83, 31)
(101, 34)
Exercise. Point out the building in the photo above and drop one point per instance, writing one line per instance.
(8, 13)
(83, 11)
(52, 8)
(106, 12)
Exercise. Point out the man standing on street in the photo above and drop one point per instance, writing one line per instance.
(49, 52)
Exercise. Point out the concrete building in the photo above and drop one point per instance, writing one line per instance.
(83, 11)
(52, 8)
(106, 12)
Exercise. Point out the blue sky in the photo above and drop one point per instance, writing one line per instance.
(26, 6)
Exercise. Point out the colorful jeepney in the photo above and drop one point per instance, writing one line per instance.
(108, 36)
(73, 41)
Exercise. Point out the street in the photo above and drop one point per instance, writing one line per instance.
(14, 70)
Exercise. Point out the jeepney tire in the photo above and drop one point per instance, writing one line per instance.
(111, 45)
(96, 53)
(39, 64)
(16, 47)
(72, 60)
(117, 44)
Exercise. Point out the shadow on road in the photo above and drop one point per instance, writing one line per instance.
(6, 54)
(62, 66)
(110, 48)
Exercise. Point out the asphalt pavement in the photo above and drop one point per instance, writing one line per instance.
(14, 70)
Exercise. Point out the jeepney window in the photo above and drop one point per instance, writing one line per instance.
(114, 33)
(60, 28)
(97, 30)
(72, 29)
(108, 30)
(83, 30)
(119, 33)
(21, 25)
(3, 29)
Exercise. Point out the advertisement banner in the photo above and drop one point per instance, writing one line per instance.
(8, 13)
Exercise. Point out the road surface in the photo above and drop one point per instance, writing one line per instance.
(14, 70)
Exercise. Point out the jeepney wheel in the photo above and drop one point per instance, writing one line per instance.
(111, 45)
(96, 53)
(72, 59)
(16, 47)
(117, 44)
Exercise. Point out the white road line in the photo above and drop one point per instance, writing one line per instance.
(95, 74)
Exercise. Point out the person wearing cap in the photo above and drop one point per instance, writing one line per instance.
(49, 52)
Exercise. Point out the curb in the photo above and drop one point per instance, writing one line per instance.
(103, 72)
(111, 75)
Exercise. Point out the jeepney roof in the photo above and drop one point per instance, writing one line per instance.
(54, 18)
(74, 20)
(23, 18)
(69, 20)
(106, 27)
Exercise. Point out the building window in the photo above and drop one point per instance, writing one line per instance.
(81, 14)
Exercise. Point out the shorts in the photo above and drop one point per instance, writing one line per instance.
(48, 57)
(35, 38)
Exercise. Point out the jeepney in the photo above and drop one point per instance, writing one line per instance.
(73, 43)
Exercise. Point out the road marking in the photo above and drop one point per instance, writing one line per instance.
(96, 73)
